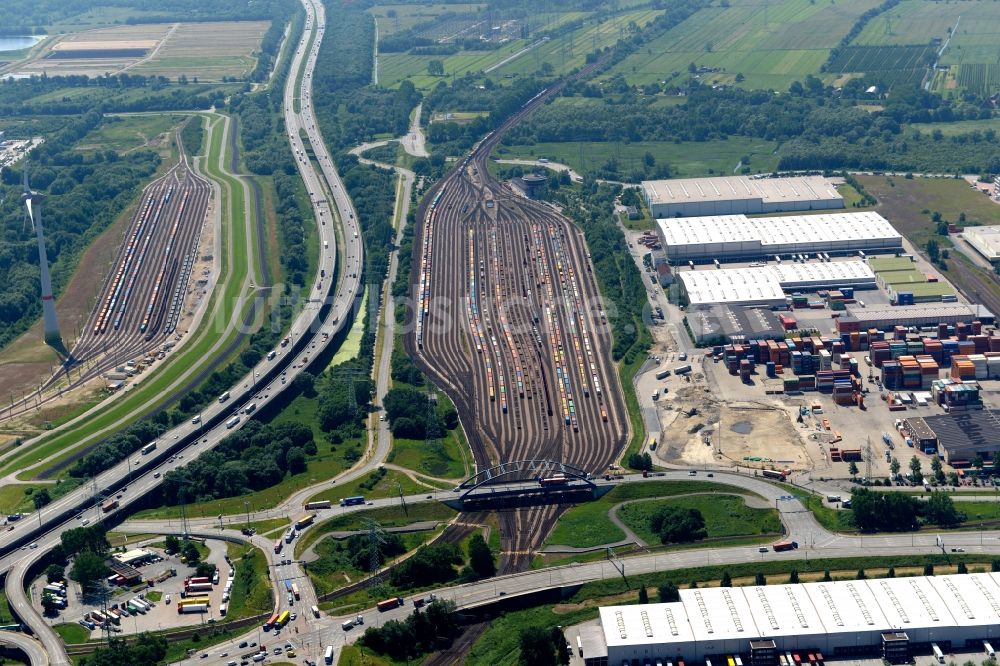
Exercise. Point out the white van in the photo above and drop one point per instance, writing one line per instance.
(224, 397)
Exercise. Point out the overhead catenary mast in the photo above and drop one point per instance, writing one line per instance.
(33, 203)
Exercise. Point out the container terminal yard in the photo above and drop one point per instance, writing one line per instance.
(507, 317)
(140, 303)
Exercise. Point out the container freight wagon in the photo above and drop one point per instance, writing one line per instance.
(305, 521)
(192, 608)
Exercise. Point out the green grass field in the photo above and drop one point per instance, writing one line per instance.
(587, 525)
(770, 43)
(251, 596)
(72, 634)
(562, 53)
(444, 460)
(351, 346)
(385, 487)
(125, 133)
(226, 304)
(725, 516)
(686, 159)
(390, 516)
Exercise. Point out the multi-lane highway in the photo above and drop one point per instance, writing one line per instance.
(319, 321)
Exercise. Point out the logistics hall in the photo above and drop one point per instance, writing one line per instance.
(891, 618)
(766, 285)
(687, 197)
(736, 237)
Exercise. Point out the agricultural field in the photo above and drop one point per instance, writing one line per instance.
(207, 51)
(770, 43)
(966, 31)
(889, 65)
(686, 159)
(516, 56)
(397, 18)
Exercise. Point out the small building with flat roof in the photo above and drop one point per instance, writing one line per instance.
(766, 285)
(732, 195)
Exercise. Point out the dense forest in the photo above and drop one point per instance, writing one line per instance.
(87, 193)
(255, 457)
(348, 111)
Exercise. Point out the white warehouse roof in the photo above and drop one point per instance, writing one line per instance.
(986, 240)
(767, 284)
(732, 285)
(770, 190)
(712, 620)
(738, 235)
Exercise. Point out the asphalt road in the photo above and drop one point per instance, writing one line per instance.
(800, 525)
(308, 335)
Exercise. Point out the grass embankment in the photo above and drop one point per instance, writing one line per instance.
(726, 517)
(72, 634)
(370, 488)
(390, 516)
(587, 525)
(626, 375)
(352, 655)
(225, 307)
(334, 568)
(251, 587)
(499, 644)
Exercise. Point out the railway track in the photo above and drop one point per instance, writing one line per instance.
(508, 320)
(140, 303)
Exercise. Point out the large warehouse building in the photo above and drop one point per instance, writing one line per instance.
(766, 285)
(986, 240)
(688, 197)
(735, 237)
(891, 618)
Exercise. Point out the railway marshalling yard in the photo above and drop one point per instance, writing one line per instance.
(508, 318)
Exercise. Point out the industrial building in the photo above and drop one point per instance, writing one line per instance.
(731, 195)
(766, 285)
(986, 240)
(887, 317)
(962, 435)
(738, 237)
(891, 618)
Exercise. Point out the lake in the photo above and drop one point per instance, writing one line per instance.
(18, 43)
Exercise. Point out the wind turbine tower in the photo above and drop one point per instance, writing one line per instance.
(33, 203)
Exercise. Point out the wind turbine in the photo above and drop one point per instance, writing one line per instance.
(33, 204)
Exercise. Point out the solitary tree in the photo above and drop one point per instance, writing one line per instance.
(435, 68)
(916, 471)
(760, 580)
(894, 467)
(727, 580)
(852, 469)
(668, 593)
(49, 603)
(891, 573)
(861, 574)
(962, 569)
(793, 577)
(928, 569)
(643, 595)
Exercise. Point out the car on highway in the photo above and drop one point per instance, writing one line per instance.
(156, 475)
(243, 644)
(294, 616)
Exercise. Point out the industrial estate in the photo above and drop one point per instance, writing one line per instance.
(605, 334)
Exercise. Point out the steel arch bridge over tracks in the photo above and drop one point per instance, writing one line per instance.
(519, 471)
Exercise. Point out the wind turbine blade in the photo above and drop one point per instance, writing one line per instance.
(31, 215)
(24, 177)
